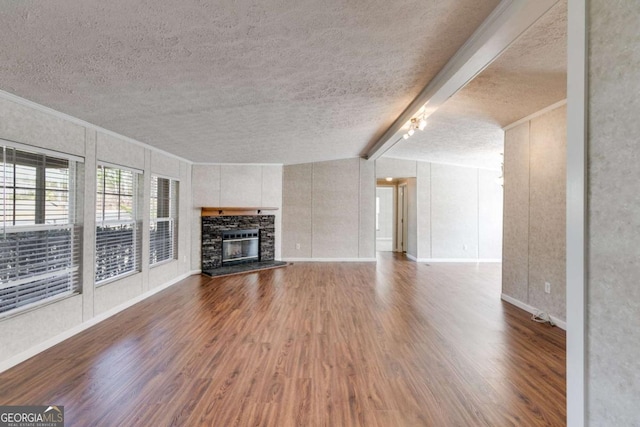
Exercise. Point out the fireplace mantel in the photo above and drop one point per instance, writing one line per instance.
(227, 211)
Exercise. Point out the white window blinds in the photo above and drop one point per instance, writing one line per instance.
(39, 240)
(164, 220)
(117, 225)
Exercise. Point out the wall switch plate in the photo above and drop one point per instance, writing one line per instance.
(547, 287)
(297, 246)
(464, 247)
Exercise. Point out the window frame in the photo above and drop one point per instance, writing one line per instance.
(171, 218)
(137, 176)
(41, 160)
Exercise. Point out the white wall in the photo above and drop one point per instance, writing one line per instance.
(329, 210)
(385, 213)
(455, 213)
(234, 186)
(24, 333)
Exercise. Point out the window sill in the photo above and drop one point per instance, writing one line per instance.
(166, 261)
(116, 278)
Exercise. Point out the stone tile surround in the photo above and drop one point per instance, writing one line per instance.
(213, 226)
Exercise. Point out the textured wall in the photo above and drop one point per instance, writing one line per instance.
(26, 125)
(547, 211)
(297, 199)
(117, 292)
(534, 212)
(614, 220)
(114, 150)
(329, 207)
(515, 251)
(396, 168)
(19, 333)
(423, 205)
(165, 165)
(367, 197)
(241, 185)
(454, 212)
(336, 214)
(234, 186)
(412, 217)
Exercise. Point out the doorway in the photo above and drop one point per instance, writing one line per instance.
(391, 215)
(385, 218)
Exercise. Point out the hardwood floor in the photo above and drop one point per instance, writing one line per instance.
(389, 344)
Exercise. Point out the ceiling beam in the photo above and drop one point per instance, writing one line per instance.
(502, 27)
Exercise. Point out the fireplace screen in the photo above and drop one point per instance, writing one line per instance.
(240, 246)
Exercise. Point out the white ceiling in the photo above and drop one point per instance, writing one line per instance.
(526, 78)
(233, 81)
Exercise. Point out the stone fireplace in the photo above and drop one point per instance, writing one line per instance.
(237, 239)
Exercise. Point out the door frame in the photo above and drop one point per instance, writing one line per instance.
(577, 233)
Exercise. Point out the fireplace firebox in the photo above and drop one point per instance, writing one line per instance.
(240, 246)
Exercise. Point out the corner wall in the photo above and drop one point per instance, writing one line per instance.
(26, 333)
(535, 213)
(234, 186)
(329, 210)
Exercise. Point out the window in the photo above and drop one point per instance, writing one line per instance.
(164, 218)
(39, 242)
(117, 223)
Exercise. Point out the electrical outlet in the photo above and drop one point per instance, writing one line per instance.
(297, 246)
(547, 287)
(464, 247)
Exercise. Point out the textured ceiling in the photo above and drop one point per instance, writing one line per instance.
(529, 76)
(233, 81)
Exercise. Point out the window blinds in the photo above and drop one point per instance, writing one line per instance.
(39, 241)
(164, 218)
(117, 224)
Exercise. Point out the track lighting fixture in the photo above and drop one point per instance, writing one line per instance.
(416, 123)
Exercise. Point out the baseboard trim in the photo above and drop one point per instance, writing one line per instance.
(459, 260)
(434, 260)
(526, 307)
(39, 348)
(329, 259)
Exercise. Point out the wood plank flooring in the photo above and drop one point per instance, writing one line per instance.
(329, 344)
